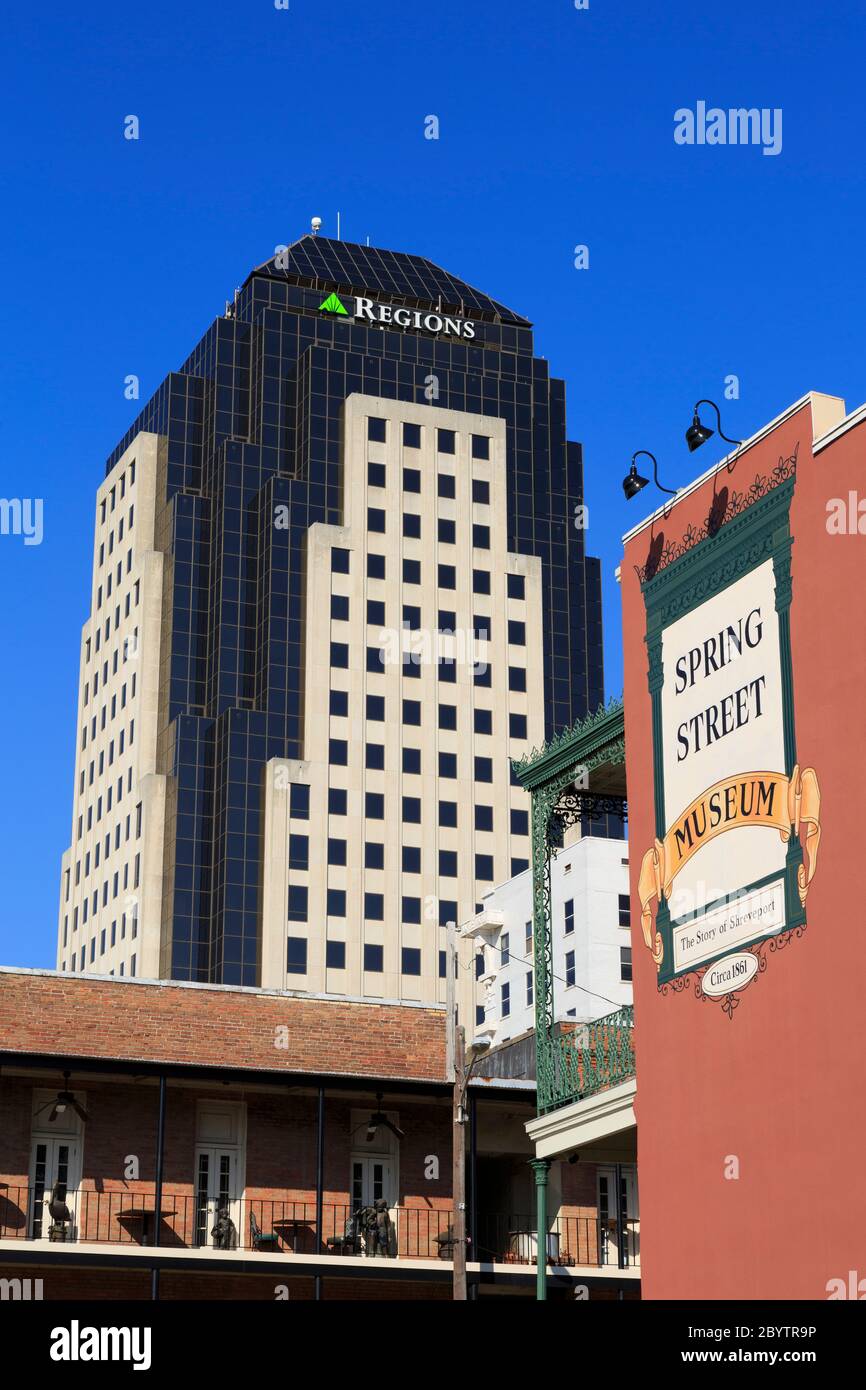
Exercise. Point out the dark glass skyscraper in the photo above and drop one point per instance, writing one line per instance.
(339, 389)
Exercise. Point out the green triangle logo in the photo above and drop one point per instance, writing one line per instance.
(332, 305)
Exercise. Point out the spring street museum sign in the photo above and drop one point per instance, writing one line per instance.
(737, 818)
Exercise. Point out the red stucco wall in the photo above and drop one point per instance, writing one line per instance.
(780, 1085)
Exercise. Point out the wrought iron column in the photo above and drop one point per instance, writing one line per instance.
(541, 1168)
(320, 1183)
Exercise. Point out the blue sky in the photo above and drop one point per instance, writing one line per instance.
(556, 130)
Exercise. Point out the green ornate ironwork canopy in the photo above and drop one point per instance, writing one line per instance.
(579, 774)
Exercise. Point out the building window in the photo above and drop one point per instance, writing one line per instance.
(338, 752)
(481, 537)
(411, 436)
(445, 441)
(446, 531)
(480, 446)
(375, 612)
(529, 993)
(516, 584)
(335, 955)
(483, 769)
(374, 958)
(412, 616)
(484, 867)
(339, 702)
(336, 902)
(483, 720)
(505, 995)
(376, 474)
(625, 963)
(504, 948)
(412, 712)
(337, 801)
(296, 956)
(411, 480)
(374, 757)
(479, 963)
(481, 581)
(447, 577)
(411, 810)
(569, 916)
(376, 520)
(374, 855)
(375, 660)
(447, 716)
(447, 863)
(520, 822)
(340, 655)
(411, 910)
(483, 817)
(339, 561)
(337, 852)
(448, 813)
(375, 566)
(376, 429)
(411, 859)
(299, 852)
(516, 633)
(411, 960)
(624, 902)
(447, 764)
(297, 903)
(516, 678)
(374, 907)
(445, 485)
(411, 759)
(569, 968)
(480, 491)
(528, 938)
(374, 805)
(376, 708)
(517, 726)
(411, 571)
(412, 526)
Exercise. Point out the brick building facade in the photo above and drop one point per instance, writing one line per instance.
(257, 1124)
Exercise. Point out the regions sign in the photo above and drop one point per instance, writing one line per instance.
(429, 321)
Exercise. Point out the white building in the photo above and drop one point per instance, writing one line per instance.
(591, 941)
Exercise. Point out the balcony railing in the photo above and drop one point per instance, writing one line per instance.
(586, 1059)
(289, 1227)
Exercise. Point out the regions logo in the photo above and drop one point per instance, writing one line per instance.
(332, 305)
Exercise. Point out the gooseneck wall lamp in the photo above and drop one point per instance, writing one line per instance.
(698, 434)
(633, 482)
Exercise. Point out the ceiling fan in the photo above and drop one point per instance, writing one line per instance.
(63, 1099)
(379, 1118)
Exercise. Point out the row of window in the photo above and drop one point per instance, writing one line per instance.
(374, 850)
(373, 958)
(446, 440)
(99, 762)
(374, 903)
(446, 531)
(118, 797)
(446, 483)
(410, 619)
(129, 648)
(133, 932)
(129, 522)
(90, 902)
(109, 712)
(340, 564)
(117, 493)
(132, 963)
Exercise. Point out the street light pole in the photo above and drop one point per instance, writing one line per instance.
(459, 1174)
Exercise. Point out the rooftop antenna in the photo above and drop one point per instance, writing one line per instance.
(338, 226)
(315, 224)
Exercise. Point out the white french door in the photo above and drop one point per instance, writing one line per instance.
(55, 1162)
(618, 1216)
(217, 1205)
(372, 1178)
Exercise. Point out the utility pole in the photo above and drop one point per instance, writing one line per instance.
(459, 1175)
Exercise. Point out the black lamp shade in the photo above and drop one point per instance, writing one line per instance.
(632, 484)
(697, 434)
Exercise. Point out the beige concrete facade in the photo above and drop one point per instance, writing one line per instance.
(111, 876)
(393, 932)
